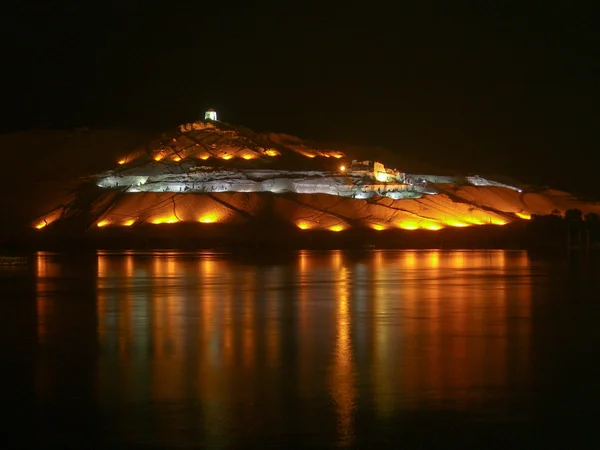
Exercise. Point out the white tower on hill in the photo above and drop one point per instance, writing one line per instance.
(210, 114)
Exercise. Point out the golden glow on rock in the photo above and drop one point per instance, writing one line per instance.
(45, 221)
(408, 225)
(431, 225)
(272, 152)
(338, 156)
(204, 157)
(169, 219)
(209, 218)
(378, 227)
(128, 223)
(102, 223)
(226, 157)
(486, 220)
(247, 156)
(523, 216)
(456, 223)
(435, 226)
(158, 157)
(176, 158)
(121, 161)
(337, 228)
(303, 225)
(473, 221)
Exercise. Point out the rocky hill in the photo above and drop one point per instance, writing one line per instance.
(56, 175)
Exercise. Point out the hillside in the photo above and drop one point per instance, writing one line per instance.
(213, 172)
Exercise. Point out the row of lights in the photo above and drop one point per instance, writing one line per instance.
(178, 158)
(376, 227)
(431, 226)
(303, 225)
(208, 218)
(313, 155)
(246, 156)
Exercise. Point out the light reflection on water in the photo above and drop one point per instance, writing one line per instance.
(227, 349)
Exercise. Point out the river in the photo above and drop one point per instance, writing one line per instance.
(378, 349)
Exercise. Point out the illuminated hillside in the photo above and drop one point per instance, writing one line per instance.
(210, 172)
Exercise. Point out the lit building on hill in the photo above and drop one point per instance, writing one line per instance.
(210, 114)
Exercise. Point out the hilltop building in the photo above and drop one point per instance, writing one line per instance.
(210, 114)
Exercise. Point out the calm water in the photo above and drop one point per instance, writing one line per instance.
(385, 349)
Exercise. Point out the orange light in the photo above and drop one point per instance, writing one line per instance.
(455, 223)
(208, 218)
(160, 220)
(342, 168)
(103, 223)
(337, 156)
(336, 228)
(408, 225)
(496, 221)
(524, 216)
(158, 157)
(378, 227)
(176, 158)
(272, 152)
(430, 225)
(41, 225)
(128, 223)
(204, 157)
(226, 157)
(471, 221)
(303, 225)
(121, 161)
(248, 156)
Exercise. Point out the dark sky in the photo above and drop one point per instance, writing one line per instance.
(486, 87)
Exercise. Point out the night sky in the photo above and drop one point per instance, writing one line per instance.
(489, 88)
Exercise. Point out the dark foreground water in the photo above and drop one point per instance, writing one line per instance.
(385, 349)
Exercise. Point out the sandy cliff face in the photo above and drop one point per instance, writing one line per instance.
(496, 206)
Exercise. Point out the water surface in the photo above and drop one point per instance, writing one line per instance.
(312, 349)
